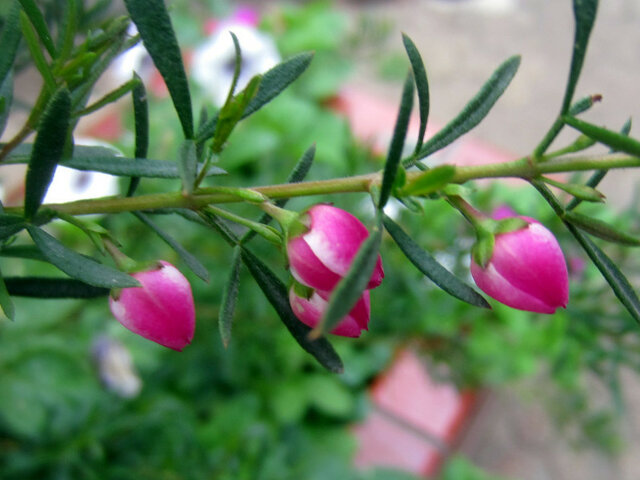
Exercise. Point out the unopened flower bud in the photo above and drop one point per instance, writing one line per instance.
(527, 270)
(161, 310)
(322, 255)
(311, 310)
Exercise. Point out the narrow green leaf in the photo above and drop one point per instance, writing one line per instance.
(229, 299)
(584, 12)
(598, 175)
(397, 142)
(67, 32)
(6, 99)
(298, 174)
(78, 266)
(34, 48)
(10, 39)
(236, 68)
(46, 287)
(422, 85)
(37, 20)
(10, 225)
(477, 108)
(616, 141)
(27, 252)
(430, 181)
(141, 119)
(189, 259)
(5, 300)
(112, 96)
(47, 150)
(582, 192)
(188, 163)
(601, 229)
(350, 288)
(611, 273)
(153, 23)
(278, 297)
(428, 265)
(277, 79)
(584, 104)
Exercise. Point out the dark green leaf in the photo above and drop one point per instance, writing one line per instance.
(236, 68)
(430, 181)
(190, 261)
(473, 113)
(45, 287)
(10, 225)
(154, 25)
(78, 266)
(601, 229)
(397, 142)
(422, 85)
(47, 150)
(611, 273)
(584, 12)
(28, 252)
(428, 265)
(38, 57)
(5, 300)
(9, 40)
(229, 299)
(616, 141)
(6, 99)
(350, 288)
(188, 163)
(37, 20)
(110, 97)
(278, 297)
(141, 118)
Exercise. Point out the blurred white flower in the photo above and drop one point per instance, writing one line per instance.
(115, 367)
(213, 62)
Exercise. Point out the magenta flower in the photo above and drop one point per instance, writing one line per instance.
(321, 256)
(162, 310)
(527, 270)
(310, 311)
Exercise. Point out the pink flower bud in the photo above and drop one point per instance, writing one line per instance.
(527, 270)
(322, 255)
(310, 311)
(162, 310)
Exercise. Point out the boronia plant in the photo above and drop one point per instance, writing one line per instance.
(334, 261)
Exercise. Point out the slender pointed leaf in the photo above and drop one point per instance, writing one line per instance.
(236, 68)
(187, 257)
(397, 142)
(584, 104)
(10, 225)
(477, 108)
(278, 297)
(46, 287)
(6, 99)
(78, 266)
(110, 97)
(141, 119)
(350, 288)
(428, 265)
(47, 150)
(153, 22)
(10, 39)
(601, 229)
(229, 299)
(36, 53)
(582, 192)
(422, 86)
(617, 141)
(584, 12)
(67, 33)
(28, 252)
(430, 180)
(188, 163)
(5, 300)
(37, 20)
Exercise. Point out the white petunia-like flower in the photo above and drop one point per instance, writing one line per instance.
(213, 62)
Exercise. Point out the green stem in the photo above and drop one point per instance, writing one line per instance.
(261, 229)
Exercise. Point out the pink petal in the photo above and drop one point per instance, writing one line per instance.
(307, 268)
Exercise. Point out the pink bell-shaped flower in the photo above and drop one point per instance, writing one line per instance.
(310, 311)
(321, 256)
(527, 270)
(162, 310)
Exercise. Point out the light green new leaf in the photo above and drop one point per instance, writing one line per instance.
(47, 151)
(397, 142)
(278, 297)
(477, 108)
(37, 20)
(229, 299)
(39, 60)
(428, 265)
(78, 266)
(153, 23)
(430, 181)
